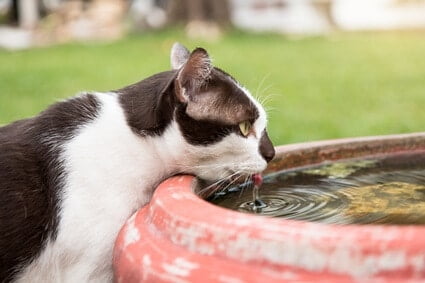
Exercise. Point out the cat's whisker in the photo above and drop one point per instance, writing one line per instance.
(224, 181)
(212, 189)
(186, 169)
(260, 85)
(232, 182)
(268, 98)
(209, 166)
(263, 96)
(246, 168)
(243, 187)
(218, 182)
(271, 110)
(265, 90)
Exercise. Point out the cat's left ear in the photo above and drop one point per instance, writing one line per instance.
(193, 75)
(179, 56)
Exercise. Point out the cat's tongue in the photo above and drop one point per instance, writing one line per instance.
(257, 179)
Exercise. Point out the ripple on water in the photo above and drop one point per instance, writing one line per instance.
(388, 190)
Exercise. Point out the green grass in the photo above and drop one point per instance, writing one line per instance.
(316, 88)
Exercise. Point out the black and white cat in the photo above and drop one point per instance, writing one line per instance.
(71, 176)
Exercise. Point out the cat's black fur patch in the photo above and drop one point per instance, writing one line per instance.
(150, 103)
(201, 132)
(208, 131)
(30, 179)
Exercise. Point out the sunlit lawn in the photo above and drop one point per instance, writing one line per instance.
(315, 88)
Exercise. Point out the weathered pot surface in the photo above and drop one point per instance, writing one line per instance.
(179, 237)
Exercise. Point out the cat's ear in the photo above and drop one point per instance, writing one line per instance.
(179, 56)
(194, 73)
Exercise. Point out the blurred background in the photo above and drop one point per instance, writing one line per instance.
(323, 68)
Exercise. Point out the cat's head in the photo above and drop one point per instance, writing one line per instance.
(223, 124)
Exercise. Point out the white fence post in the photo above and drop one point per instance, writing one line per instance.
(28, 13)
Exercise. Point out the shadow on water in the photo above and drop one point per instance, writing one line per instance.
(387, 190)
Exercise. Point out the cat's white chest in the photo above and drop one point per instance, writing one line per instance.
(110, 173)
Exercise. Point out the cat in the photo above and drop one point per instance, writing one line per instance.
(71, 176)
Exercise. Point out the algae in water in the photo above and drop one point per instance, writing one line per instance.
(340, 169)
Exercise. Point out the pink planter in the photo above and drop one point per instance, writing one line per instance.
(179, 237)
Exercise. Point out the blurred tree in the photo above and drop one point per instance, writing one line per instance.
(185, 11)
(325, 8)
(203, 18)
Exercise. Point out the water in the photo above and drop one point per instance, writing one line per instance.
(388, 190)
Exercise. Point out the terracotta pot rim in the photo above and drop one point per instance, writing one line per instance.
(190, 226)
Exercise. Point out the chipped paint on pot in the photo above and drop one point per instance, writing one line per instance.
(179, 237)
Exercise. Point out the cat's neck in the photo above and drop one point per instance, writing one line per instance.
(149, 107)
(120, 155)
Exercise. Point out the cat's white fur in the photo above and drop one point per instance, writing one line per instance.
(111, 172)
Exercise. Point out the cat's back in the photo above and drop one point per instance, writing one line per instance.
(16, 155)
(30, 175)
(21, 198)
(13, 130)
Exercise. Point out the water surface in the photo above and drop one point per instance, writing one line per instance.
(386, 190)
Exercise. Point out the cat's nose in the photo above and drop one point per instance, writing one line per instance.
(268, 154)
(266, 147)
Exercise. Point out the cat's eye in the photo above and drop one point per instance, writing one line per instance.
(245, 128)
